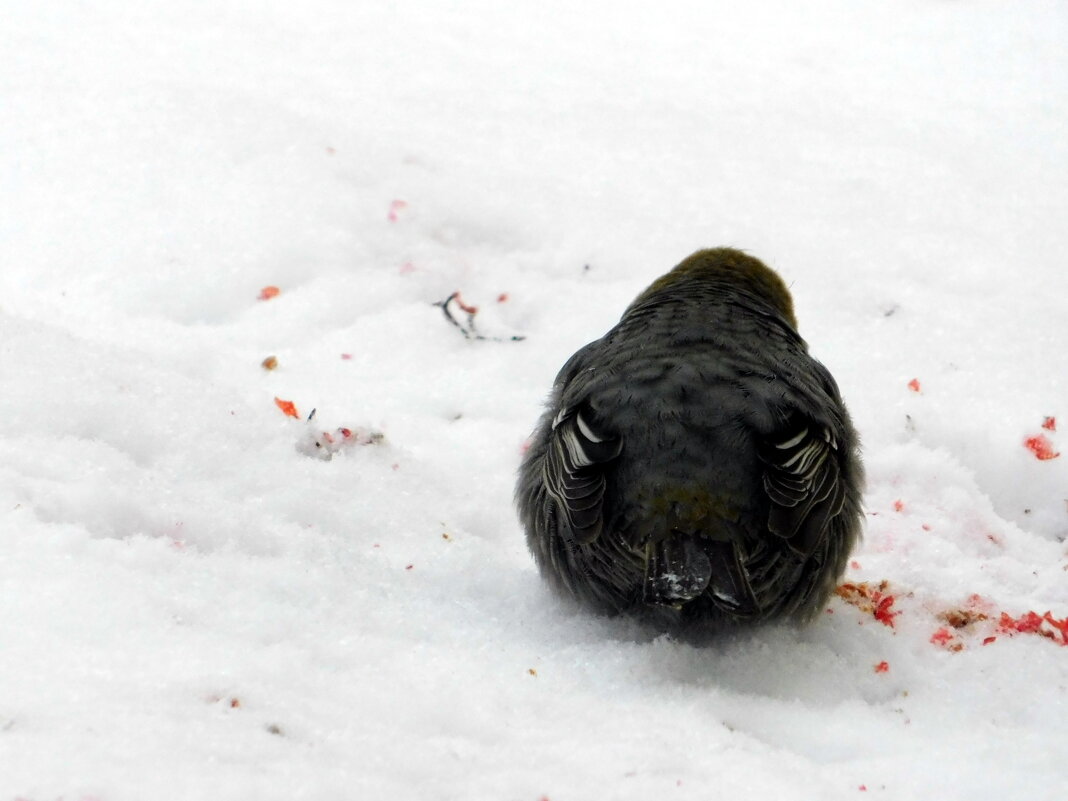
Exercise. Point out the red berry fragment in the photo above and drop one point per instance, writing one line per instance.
(870, 599)
(947, 640)
(882, 609)
(1041, 447)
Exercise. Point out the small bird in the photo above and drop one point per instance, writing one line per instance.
(696, 465)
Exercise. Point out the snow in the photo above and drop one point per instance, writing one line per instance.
(195, 605)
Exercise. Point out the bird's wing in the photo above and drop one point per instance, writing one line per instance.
(573, 471)
(801, 479)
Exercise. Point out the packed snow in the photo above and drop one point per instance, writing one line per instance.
(205, 597)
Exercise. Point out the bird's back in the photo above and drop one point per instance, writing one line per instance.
(704, 389)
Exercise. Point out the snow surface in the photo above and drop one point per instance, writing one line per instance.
(196, 606)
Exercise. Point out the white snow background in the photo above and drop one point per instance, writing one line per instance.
(194, 605)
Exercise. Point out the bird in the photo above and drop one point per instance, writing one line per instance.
(696, 466)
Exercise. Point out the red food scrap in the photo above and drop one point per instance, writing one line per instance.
(462, 305)
(946, 639)
(269, 292)
(1060, 625)
(854, 565)
(899, 505)
(875, 600)
(1050, 424)
(502, 298)
(395, 207)
(882, 609)
(347, 357)
(1027, 623)
(979, 610)
(288, 407)
(883, 667)
(1041, 447)
(914, 385)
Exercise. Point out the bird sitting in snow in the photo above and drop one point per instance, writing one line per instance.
(696, 462)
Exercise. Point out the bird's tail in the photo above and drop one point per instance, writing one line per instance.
(683, 566)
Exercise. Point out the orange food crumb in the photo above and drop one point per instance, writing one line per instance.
(914, 385)
(269, 292)
(883, 667)
(1041, 447)
(962, 618)
(288, 407)
(269, 363)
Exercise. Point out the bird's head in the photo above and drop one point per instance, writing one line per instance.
(727, 267)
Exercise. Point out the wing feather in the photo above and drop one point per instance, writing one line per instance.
(574, 472)
(802, 481)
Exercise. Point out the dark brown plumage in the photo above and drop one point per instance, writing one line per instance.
(696, 461)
